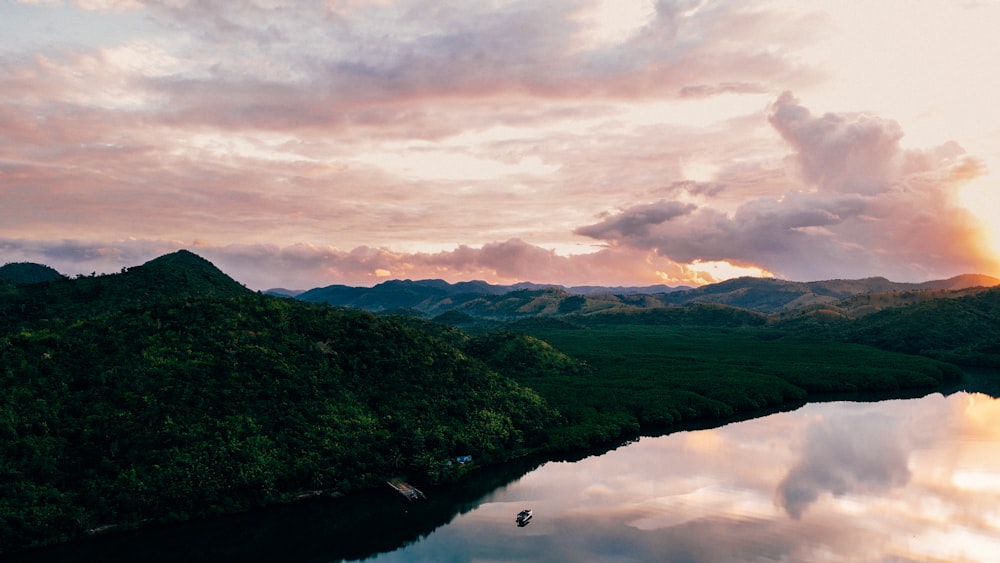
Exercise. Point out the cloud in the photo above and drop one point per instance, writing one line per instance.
(849, 153)
(304, 266)
(837, 459)
(857, 205)
(219, 128)
(399, 126)
(636, 221)
(705, 90)
(342, 65)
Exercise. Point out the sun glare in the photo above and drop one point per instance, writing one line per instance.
(980, 199)
(721, 270)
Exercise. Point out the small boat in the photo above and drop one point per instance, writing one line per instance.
(523, 517)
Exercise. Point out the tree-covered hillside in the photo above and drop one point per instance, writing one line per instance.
(170, 391)
(140, 408)
(22, 273)
(483, 301)
(963, 330)
(170, 277)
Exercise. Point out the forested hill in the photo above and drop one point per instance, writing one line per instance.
(770, 295)
(435, 296)
(21, 273)
(175, 276)
(485, 301)
(170, 391)
(963, 330)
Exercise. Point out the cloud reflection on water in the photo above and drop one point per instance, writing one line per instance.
(914, 480)
(841, 455)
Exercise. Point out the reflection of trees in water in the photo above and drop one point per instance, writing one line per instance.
(979, 380)
(315, 530)
(369, 523)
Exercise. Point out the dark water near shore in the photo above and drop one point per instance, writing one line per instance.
(907, 479)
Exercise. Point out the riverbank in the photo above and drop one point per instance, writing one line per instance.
(623, 382)
(354, 526)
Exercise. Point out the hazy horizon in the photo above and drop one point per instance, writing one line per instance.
(580, 142)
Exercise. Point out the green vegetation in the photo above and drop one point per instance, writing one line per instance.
(114, 414)
(23, 273)
(626, 377)
(170, 391)
(963, 330)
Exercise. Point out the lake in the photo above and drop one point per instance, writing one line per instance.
(901, 480)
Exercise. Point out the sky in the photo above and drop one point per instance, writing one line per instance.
(300, 144)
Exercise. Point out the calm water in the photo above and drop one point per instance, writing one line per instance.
(905, 480)
(899, 480)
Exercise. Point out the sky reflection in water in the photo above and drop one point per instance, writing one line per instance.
(913, 480)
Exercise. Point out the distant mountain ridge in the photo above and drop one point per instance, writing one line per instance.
(188, 272)
(769, 295)
(480, 299)
(436, 296)
(432, 287)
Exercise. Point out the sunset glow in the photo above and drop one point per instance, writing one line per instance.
(831, 481)
(301, 144)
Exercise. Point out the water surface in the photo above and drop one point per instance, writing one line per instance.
(910, 480)
(898, 480)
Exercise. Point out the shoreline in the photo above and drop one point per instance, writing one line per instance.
(974, 380)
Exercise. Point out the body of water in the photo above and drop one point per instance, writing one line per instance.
(897, 480)
(902, 480)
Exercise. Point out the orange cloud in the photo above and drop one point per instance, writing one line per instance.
(865, 207)
(303, 266)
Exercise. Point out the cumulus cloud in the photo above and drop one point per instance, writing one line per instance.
(636, 221)
(344, 65)
(850, 153)
(219, 127)
(837, 459)
(304, 266)
(860, 205)
(355, 125)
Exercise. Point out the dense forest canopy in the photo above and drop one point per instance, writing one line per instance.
(128, 399)
(22, 273)
(170, 391)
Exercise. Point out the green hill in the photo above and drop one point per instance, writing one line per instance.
(770, 295)
(22, 273)
(962, 329)
(175, 276)
(169, 391)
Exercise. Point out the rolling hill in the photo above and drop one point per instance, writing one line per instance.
(480, 300)
(963, 329)
(22, 273)
(170, 391)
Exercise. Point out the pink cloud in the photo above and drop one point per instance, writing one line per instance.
(837, 461)
(303, 266)
(313, 67)
(865, 207)
(279, 134)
